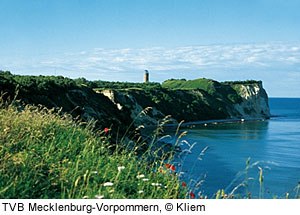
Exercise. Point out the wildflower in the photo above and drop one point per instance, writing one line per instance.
(183, 184)
(106, 130)
(140, 191)
(85, 197)
(169, 166)
(156, 184)
(108, 184)
(99, 196)
(192, 195)
(140, 176)
(145, 179)
(162, 171)
(120, 168)
(95, 172)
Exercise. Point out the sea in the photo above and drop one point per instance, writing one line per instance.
(246, 159)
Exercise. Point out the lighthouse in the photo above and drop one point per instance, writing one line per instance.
(146, 76)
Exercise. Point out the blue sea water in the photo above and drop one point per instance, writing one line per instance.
(273, 145)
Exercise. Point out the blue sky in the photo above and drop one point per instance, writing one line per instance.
(118, 39)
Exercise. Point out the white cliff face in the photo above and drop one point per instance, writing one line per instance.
(255, 101)
(111, 95)
(138, 114)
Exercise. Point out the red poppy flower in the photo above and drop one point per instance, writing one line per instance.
(106, 130)
(192, 195)
(183, 184)
(167, 165)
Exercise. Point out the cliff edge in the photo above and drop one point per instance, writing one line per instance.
(117, 104)
(195, 100)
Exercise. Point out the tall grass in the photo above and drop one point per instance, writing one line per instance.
(47, 154)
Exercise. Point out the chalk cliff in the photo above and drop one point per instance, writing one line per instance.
(254, 101)
(231, 100)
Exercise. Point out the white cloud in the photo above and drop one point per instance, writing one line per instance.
(236, 61)
(191, 58)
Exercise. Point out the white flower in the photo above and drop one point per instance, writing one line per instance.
(85, 197)
(141, 191)
(120, 168)
(99, 196)
(156, 184)
(95, 172)
(145, 179)
(108, 184)
(140, 176)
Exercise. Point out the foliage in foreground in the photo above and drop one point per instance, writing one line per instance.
(44, 154)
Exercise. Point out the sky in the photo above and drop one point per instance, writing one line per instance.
(116, 40)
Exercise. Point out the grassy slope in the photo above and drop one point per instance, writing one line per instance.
(201, 83)
(225, 92)
(47, 155)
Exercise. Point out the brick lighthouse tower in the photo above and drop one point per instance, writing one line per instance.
(146, 76)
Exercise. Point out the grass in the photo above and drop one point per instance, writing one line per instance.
(201, 83)
(225, 92)
(47, 154)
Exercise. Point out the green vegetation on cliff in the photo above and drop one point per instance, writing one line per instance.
(223, 90)
(201, 83)
(208, 85)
